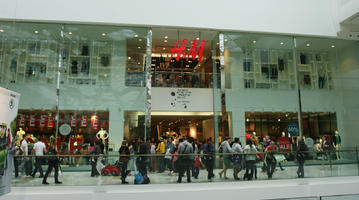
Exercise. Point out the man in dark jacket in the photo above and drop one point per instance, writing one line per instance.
(124, 158)
(301, 156)
(143, 160)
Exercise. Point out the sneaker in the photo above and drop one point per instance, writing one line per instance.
(45, 183)
(58, 182)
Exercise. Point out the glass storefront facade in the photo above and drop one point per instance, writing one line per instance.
(204, 84)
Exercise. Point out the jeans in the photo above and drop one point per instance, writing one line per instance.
(161, 164)
(250, 166)
(168, 163)
(321, 82)
(300, 170)
(209, 166)
(271, 164)
(142, 168)
(123, 171)
(195, 172)
(94, 171)
(16, 166)
(184, 166)
(38, 162)
(52, 164)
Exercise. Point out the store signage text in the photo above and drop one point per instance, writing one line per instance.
(193, 50)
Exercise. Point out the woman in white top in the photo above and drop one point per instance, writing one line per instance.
(250, 159)
(153, 158)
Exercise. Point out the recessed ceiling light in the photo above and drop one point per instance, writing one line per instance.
(217, 43)
(1, 30)
(105, 75)
(254, 41)
(139, 47)
(165, 41)
(36, 31)
(308, 45)
(225, 40)
(140, 40)
(281, 43)
(103, 34)
(166, 37)
(197, 38)
(136, 35)
(138, 63)
(129, 58)
(164, 48)
(333, 46)
(279, 120)
(247, 120)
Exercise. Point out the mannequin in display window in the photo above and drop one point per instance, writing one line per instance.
(254, 138)
(102, 134)
(19, 135)
(337, 144)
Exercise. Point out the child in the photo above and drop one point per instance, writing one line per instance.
(197, 165)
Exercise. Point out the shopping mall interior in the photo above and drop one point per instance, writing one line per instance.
(122, 71)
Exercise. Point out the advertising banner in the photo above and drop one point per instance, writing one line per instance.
(182, 99)
(9, 102)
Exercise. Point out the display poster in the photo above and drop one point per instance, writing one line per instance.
(309, 142)
(182, 99)
(293, 129)
(9, 102)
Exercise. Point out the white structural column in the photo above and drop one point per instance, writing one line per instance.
(117, 105)
(116, 127)
(239, 125)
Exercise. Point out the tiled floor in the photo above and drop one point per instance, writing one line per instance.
(84, 179)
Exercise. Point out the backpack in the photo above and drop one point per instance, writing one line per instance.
(220, 150)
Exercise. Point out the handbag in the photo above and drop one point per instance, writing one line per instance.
(279, 157)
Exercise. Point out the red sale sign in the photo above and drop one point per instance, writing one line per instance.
(284, 144)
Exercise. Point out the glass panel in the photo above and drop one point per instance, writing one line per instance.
(29, 60)
(328, 73)
(258, 61)
(95, 91)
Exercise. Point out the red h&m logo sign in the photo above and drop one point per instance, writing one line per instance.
(181, 53)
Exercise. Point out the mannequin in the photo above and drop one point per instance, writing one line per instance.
(337, 144)
(20, 135)
(102, 134)
(254, 137)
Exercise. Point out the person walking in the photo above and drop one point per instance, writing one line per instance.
(301, 156)
(40, 150)
(95, 151)
(250, 159)
(270, 159)
(53, 162)
(237, 158)
(160, 150)
(124, 152)
(185, 162)
(143, 160)
(208, 149)
(226, 148)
